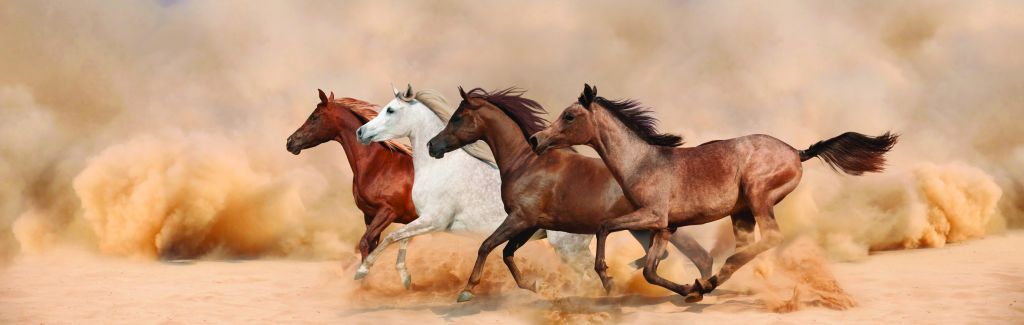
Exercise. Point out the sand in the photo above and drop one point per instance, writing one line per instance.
(979, 281)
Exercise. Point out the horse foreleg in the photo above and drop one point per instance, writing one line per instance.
(508, 255)
(659, 238)
(416, 227)
(380, 221)
(642, 219)
(644, 238)
(771, 236)
(508, 228)
(694, 251)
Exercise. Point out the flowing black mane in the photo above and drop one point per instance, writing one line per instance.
(637, 118)
(524, 112)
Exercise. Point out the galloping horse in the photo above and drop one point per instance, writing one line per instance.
(381, 173)
(562, 190)
(460, 193)
(673, 186)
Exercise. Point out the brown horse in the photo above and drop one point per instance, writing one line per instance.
(562, 190)
(673, 186)
(382, 172)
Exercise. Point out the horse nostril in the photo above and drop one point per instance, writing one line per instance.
(533, 142)
(359, 132)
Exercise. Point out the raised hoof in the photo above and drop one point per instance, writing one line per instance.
(465, 296)
(699, 288)
(535, 287)
(694, 296)
(361, 274)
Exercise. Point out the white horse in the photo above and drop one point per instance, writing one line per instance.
(460, 193)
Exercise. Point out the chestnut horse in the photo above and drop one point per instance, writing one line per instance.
(555, 191)
(382, 173)
(672, 186)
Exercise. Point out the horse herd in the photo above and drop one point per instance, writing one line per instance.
(494, 165)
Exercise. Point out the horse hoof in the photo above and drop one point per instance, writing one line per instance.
(465, 296)
(361, 273)
(535, 287)
(694, 296)
(407, 281)
(608, 286)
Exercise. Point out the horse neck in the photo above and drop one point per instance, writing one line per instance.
(505, 138)
(355, 152)
(620, 149)
(426, 126)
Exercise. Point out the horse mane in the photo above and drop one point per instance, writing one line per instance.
(525, 112)
(365, 112)
(639, 119)
(434, 101)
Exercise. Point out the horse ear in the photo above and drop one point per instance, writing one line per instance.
(463, 93)
(398, 93)
(331, 99)
(408, 91)
(588, 96)
(323, 96)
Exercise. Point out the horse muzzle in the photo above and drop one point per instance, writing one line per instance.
(363, 137)
(435, 150)
(539, 144)
(292, 147)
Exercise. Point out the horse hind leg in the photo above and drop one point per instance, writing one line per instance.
(743, 226)
(403, 272)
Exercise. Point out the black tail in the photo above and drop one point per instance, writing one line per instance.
(852, 152)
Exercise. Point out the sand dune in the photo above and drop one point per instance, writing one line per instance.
(980, 281)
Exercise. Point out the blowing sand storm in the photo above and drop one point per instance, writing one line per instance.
(151, 129)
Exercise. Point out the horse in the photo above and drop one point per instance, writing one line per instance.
(460, 193)
(673, 186)
(381, 173)
(555, 191)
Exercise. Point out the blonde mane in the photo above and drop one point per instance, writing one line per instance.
(437, 104)
(366, 112)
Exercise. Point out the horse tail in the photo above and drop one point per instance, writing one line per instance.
(852, 152)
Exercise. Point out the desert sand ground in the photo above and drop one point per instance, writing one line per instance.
(980, 281)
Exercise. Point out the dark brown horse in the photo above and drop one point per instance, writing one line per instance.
(562, 190)
(672, 186)
(382, 172)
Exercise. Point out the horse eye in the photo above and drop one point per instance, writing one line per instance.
(456, 118)
(568, 117)
(391, 110)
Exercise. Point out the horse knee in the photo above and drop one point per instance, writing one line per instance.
(650, 274)
(509, 250)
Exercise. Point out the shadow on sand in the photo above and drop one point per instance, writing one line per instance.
(616, 306)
